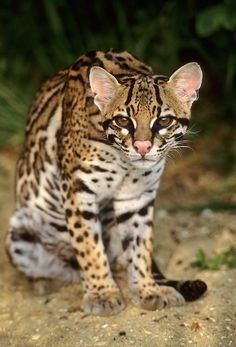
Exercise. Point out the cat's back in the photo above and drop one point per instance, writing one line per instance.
(49, 99)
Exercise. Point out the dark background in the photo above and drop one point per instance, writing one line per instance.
(39, 37)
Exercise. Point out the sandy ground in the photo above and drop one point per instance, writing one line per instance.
(57, 320)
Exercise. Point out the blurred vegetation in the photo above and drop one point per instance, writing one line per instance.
(39, 37)
(226, 258)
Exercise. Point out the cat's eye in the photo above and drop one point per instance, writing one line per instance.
(121, 121)
(165, 121)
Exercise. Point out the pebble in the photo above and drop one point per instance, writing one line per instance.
(35, 337)
(207, 213)
(162, 213)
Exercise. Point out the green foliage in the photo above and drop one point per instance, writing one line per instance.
(13, 110)
(226, 258)
(39, 37)
(216, 17)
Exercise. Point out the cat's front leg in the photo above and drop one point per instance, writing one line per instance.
(101, 293)
(144, 290)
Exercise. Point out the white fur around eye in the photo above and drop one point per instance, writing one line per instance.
(162, 131)
(124, 131)
(152, 122)
(134, 122)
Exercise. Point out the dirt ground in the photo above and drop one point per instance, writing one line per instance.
(57, 320)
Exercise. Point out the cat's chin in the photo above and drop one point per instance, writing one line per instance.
(143, 163)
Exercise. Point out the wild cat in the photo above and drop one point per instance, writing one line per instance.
(96, 140)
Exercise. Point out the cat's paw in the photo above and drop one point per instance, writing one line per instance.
(102, 304)
(158, 298)
(45, 286)
(171, 296)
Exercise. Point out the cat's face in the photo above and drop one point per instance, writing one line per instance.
(146, 116)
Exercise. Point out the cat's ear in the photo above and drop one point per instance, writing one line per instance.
(104, 85)
(186, 82)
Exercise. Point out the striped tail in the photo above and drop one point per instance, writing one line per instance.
(190, 290)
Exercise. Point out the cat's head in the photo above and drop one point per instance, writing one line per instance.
(146, 116)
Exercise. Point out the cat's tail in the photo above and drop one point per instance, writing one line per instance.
(190, 290)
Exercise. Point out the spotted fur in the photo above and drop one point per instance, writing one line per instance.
(97, 136)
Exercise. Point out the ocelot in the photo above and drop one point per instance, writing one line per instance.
(97, 136)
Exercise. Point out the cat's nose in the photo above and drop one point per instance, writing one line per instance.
(142, 147)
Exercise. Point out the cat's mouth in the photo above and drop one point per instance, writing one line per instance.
(144, 160)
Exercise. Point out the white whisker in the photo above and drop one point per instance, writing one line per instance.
(192, 131)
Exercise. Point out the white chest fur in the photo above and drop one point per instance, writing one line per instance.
(114, 176)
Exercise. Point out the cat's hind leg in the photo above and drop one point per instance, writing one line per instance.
(38, 250)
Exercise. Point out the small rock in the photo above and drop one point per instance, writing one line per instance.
(35, 337)
(162, 213)
(207, 213)
(122, 333)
